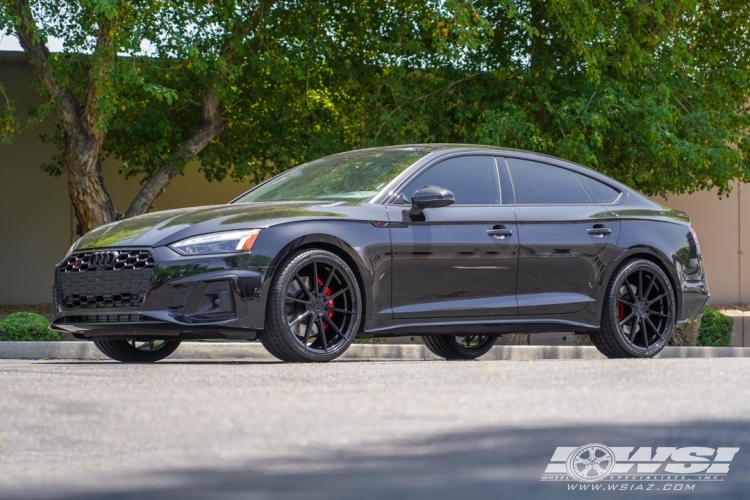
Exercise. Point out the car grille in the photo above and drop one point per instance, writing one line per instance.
(101, 318)
(105, 279)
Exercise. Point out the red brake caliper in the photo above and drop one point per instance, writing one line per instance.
(620, 310)
(327, 293)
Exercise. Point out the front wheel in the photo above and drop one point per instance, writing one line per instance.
(134, 351)
(639, 312)
(454, 347)
(314, 308)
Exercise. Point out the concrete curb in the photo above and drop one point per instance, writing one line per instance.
(255, 351)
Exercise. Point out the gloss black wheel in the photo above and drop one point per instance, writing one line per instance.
(459, 346)
(314, 308)
(137, 351)
(639, 311)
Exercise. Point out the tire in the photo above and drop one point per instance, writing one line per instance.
(306, 323)
(597, 340)
(451, 348)
(131, 351)
(638, 317)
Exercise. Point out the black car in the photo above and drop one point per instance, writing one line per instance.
(458, 244)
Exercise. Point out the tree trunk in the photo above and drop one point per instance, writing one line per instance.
(91, 201)
(82, 143)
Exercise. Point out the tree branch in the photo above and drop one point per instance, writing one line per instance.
(38, 55)
(208, 129)
(102, 63)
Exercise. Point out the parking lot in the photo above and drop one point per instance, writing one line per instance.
(406, 429)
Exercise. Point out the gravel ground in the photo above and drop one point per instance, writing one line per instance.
(348, 429)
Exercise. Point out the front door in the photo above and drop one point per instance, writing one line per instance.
(566, 239)
(459, 260)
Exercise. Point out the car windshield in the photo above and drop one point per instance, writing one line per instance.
(356, 175)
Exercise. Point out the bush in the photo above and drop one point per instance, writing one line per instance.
(26, 326)
(716, 329)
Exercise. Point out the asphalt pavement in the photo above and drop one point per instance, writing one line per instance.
(189, 429)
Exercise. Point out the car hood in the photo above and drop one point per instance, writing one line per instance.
(163, 228)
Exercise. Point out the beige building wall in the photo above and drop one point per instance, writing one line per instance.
(37, 222)
(723, 228)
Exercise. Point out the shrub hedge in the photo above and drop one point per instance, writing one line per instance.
(26, 326)
(716, 329)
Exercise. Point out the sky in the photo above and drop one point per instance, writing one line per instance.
(10, 42)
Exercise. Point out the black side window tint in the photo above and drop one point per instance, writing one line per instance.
(539, 183)
(473, 180)
(600, 192)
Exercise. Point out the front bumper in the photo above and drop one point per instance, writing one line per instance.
(196, 297)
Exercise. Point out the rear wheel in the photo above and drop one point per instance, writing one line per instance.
(134, 351)
(459, 346)
(314, 308)
(639, 312)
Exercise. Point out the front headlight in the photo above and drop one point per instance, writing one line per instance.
(229, 242)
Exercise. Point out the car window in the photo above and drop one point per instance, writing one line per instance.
(473, 180)
(598, 190)
(356, 175)
(538, 183)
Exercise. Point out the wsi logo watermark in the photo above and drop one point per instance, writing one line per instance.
(597, 462)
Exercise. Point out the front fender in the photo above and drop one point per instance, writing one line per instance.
(365, 247)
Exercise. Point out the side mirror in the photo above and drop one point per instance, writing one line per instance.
(430, 197)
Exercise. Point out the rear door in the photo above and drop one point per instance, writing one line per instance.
(566, 238)
(460, 260)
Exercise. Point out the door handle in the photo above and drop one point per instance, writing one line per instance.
(500, 233)
(599, 231)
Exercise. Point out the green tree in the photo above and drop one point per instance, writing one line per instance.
(653, 93)
(158, 107)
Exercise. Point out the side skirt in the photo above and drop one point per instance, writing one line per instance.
(485, 327)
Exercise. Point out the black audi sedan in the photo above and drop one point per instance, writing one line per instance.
(458, 244)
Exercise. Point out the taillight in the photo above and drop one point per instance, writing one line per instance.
(695, 238)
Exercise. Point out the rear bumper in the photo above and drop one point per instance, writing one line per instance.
(695, 297)
(186, 297)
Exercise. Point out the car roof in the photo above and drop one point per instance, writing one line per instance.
(447, 148)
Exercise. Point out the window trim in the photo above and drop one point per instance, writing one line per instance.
(613, 202)
(575, 174)
(398, 197)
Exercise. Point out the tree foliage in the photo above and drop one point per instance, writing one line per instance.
(653, 93)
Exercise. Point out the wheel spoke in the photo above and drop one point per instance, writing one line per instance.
(627, 319)
(653, 327)
(632, 290)
(295, 299)
(299, 318)
(656, 299)
(315, 277)
(308, 330)
(321, 330)
(333, 296)
(333, 325)
(659, 314)
(640, 283)
(342, 311)
(645, 334)
(303, 286)
(626, 303)
(650, 286)
(632, 330)
(328, 279)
